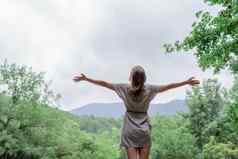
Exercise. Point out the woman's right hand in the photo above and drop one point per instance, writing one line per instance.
(80, 77)
(192, 81)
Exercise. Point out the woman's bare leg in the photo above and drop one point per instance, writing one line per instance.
(144, 152)
(132, 153)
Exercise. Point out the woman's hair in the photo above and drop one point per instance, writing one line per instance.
(138, 79)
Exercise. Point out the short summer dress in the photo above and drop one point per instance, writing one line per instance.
(136, 130)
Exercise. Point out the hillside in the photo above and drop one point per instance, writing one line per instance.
(117, 109)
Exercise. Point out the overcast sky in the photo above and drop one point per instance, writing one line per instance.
(103, 39)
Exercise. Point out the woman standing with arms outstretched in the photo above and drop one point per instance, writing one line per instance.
(136, 95)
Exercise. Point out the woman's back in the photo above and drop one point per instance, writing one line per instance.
(139, 102)
(136, 127)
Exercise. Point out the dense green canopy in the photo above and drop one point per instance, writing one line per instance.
(33, 129)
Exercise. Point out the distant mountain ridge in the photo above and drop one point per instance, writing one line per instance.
(117, 109)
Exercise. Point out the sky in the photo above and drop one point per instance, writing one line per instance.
(103, 39)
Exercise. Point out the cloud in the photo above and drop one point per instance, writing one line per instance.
(103, 38)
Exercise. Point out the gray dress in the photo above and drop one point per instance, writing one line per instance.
(136, 130)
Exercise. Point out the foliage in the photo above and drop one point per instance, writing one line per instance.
(92, 124)
(24, 84)
(214, 37)
(214, 150)
(109, 144)
(205, 104)
(232, 109)
(44, 132)
(33, 129)
(172, 139)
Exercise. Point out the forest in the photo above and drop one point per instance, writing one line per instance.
(33, 127)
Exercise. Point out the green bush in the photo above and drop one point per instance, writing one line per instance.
(214, 150)
(172, 139)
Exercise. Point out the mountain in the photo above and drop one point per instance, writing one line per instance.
(117, 109)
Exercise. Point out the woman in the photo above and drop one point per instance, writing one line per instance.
(136, 131)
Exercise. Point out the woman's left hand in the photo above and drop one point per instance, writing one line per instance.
(192, 81)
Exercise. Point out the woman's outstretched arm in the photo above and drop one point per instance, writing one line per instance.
(191, 81)
(83, 77)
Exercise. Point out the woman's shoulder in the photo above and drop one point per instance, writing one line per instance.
(152, 87)
(121, 85)
(148, 85)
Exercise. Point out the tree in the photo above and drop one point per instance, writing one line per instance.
(172, 139)
(214, 150)
(213, 37)
(205, 104)
(214, 41)
(24, 84)
(23, 88)
(92, 124)
(108, 144)
(29, 127)
(232, 105)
